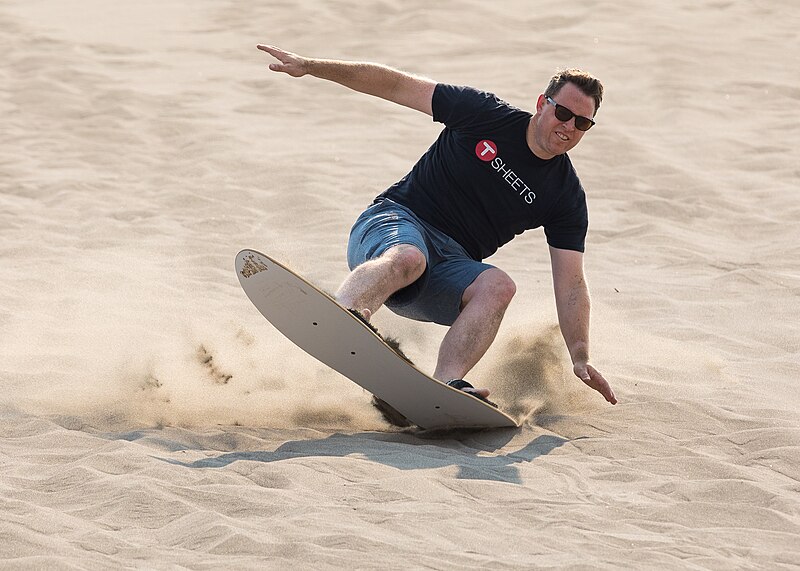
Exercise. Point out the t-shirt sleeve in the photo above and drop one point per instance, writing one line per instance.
(567, 229)
(463, 107)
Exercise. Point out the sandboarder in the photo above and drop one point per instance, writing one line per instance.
(494, 171)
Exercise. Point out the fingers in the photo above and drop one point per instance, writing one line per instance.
(279, 55)
(608, 394)
(271, 50)
(290, 63)
(595, 380)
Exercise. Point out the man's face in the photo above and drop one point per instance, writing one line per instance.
(554, 137)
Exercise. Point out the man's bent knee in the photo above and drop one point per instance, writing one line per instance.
(492, 286)
(407, 260)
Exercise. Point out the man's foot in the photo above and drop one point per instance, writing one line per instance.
(463, 385)
(362, 314)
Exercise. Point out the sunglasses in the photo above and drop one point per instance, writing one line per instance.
(564, 114)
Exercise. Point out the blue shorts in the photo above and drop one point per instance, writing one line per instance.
(436, 295)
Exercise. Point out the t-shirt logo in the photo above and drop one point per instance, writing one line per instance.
(486, 150)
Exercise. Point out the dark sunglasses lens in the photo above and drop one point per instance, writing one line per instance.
(563, 114)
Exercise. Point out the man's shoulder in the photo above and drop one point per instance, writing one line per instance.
(455, 105)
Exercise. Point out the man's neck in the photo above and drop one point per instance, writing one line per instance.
(530, 138)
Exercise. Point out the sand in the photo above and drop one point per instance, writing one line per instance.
(150, 418)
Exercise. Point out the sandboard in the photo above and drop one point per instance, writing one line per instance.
(316, 323)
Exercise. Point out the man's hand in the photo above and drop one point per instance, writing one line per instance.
(293, 64)
(593, 378)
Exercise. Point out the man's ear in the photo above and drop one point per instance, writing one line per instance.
(540, 102)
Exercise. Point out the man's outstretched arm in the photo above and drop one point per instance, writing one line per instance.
(572, 303)
(370, 78)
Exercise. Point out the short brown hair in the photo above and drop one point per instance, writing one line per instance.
(588, 84)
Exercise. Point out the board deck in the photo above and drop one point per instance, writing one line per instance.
(316, 323)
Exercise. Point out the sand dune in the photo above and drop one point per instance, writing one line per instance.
(149, 417)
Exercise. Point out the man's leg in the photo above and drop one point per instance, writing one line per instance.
(369, 285)
(483, 305)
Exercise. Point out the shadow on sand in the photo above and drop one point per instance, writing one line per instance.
(473, 454)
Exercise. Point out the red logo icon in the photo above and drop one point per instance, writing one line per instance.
(486, 150)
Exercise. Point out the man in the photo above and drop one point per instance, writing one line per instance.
(494, 172)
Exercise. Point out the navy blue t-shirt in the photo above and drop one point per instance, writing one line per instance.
(480, 184)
